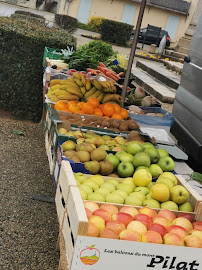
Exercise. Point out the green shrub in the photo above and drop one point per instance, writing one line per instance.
(66, 22)
(95, 23)
(85, 27)
(27, 13)
(28, 18)
(115, 32)
(21, 74)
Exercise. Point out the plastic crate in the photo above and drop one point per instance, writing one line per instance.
(51, 54)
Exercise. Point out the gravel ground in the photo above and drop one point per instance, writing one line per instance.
(28, 228)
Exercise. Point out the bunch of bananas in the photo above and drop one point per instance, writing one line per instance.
(80, 88)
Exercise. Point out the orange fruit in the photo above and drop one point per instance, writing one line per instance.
(80, 104)
(117, 116)
(124, 113)
(98, 112)
(87, 108)
(108, 109)
(117, 108)
(106, 117)
(73, 108)
(80, 111)
(101, 107)
(61, 106)
(94, 102)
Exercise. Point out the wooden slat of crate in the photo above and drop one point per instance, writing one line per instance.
(59, 207)
(63, 265)
(76, 213)
(66, 178)
(199, 211)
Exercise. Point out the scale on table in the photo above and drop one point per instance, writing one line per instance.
(164, 141)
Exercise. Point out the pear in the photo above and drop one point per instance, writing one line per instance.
(80, 140)
(84, 156)
(92, 166)
(105, 147)
(84, 147)
(68, 145)
(106, 167)
(98, 154)
(62, 131)
(106, 137)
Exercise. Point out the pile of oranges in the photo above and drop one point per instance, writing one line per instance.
(93, 107)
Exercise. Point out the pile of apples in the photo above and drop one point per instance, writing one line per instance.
(143, 225)
(138, 190)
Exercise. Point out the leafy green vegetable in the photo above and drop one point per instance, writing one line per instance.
(196, 177)
(18, 132)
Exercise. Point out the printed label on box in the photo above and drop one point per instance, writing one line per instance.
(98, 254)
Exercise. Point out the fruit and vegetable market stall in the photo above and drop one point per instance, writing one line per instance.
(119, 198)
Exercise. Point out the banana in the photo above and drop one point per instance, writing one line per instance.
(70, 79)
(107, 90)
(49, 94)
(64, 82)
(101, 96)
(83, 79)
(78, 82)
(83, 90)
(111, 83)
(94, 95)
(90, 92)
(65, 100)
(88, 84)
(58, 92)
(74, 91)
(114, 97)
(56, 86)
(97, 84)
(76, 75)
(54, 98)
(68, 96)
(53, 82)
(71, 84)
(105, 84)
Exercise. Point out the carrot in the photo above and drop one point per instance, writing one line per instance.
(114, 75)
(101, 69)
(102, 65)
(110, 75)
(89, 69)
(120, 74)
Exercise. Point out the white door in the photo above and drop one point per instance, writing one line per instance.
(128, 14)
(84, 9)
(172, 24)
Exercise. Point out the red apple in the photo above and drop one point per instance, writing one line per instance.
(146, 220)
(92, 206)
(115, 226)
(183, 222)
(193, 241)
(112, 209)
(163, 221)
(88, 213)
(93, 231)
(148, 211)
(103, 214)
(107, 233)
(137, 226)
(98, 222)
(188, 216)
(152, 237)
(123, 218)
(178, 230)
(165, 213)
(173, 239)
(197, 225)
(158, 228)
(130, 236)
(129, 210)
(196, 233)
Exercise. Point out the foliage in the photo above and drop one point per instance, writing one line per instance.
(115, 32)
(28, 18)
(95, 23)
(84, 26)
(27, 13)
(66, 22)
(89, 55)
(21, 74)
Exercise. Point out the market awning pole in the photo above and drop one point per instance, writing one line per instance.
(133, 48)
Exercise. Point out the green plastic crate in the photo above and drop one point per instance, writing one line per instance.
(52, 54)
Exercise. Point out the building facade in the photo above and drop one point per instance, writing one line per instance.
(173, 16)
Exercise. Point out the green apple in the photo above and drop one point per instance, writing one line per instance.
(96, 197)
(169, 175)
(132, 200)
(129, 181)
(163, 153)
(114, 160)
(167, 164)
(80, 176)
(120, 192)
(153, 153)
(143, 167)
(126, 157)
(179, 194)
(108, 186)
(125, 187)
(102, 191)
(84, 195)
(98, 179)
(86, 188)
(78, 183)
(125, 169)
(91, 183)
(155, 170)
(138, 195)
(143, 190)
(151, 203)
(186, 207)
(169, 205)
(133, 148)
(150, 185)
(113, 181)
(165, 181)
(148, 196)
(147, 145)
(114, 198)
(142, 178)
(160, 192)
(118, 154)
(141, 159)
